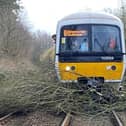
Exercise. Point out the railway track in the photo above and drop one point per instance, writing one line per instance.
(114, 119)
(67, 120)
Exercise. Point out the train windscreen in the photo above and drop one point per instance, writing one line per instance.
(90, 38)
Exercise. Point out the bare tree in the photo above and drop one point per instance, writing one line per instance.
(119, 12)
(15, 39)
(42, 41)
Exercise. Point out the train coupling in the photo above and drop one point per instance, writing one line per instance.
(91, 81)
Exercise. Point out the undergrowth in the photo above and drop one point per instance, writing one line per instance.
(39, 89)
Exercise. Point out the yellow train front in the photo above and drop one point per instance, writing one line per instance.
(90, 46)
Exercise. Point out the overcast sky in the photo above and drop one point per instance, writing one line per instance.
(44, 14)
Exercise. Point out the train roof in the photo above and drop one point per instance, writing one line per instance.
(90, 15)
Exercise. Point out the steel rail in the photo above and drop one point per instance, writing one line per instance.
(117, 119)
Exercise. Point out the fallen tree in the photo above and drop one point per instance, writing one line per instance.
(34, 90)
(28, 90)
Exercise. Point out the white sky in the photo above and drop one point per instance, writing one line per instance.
(44, 14)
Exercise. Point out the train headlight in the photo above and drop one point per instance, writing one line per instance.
(111, 67)
(67, 68)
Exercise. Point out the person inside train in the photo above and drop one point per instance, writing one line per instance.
(112, 44)
(54, 38)
(75, 45)
(84, 45)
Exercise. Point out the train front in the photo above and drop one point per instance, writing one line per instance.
(90, 51)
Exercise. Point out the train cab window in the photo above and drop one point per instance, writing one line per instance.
(74, 38)
(90, 38)
(84, 44)
(105, 38)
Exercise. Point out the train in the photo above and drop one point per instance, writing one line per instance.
(90, 47)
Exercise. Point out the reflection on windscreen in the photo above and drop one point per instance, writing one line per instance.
(90, 38)
(105, 38)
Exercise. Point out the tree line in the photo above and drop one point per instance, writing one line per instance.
(17, 41)
(15, 38)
